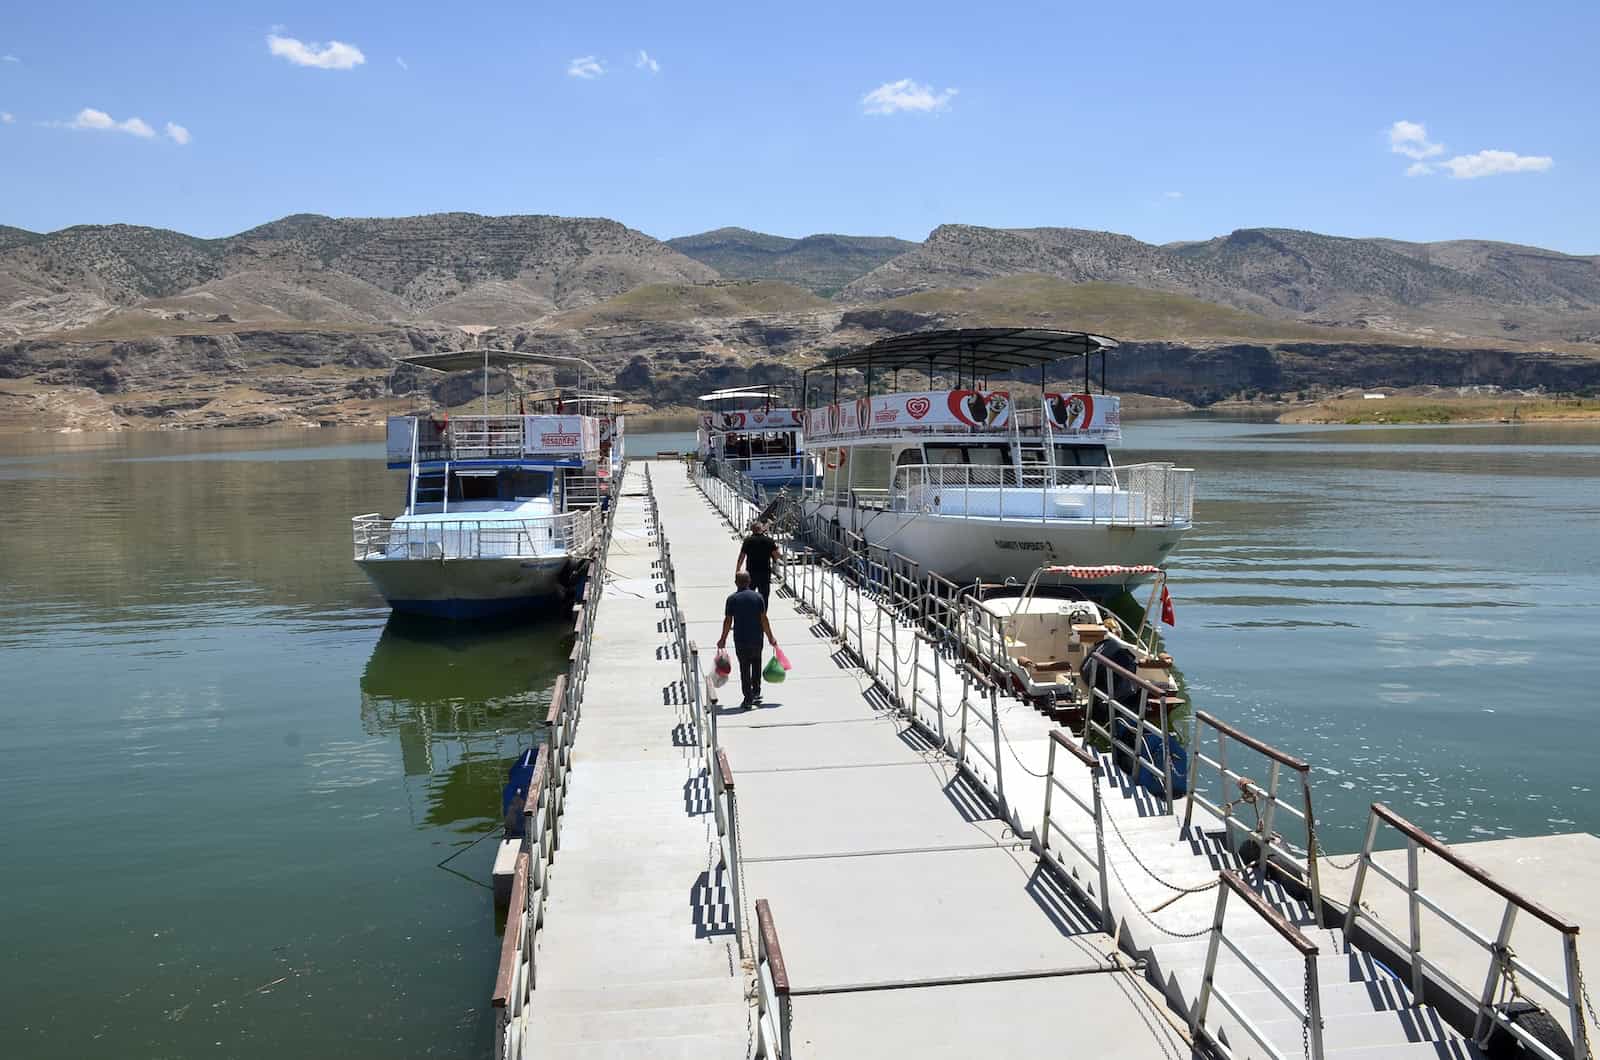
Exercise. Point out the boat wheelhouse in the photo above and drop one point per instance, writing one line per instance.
(749, 431)
(982, 481)
(502, 512)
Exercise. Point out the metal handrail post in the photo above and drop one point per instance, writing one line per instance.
(733, 866)
(1575, 997)
(1413, 885)
(1108, 920)
(1197, 1015)
(1166, 754)
(999, 761)
(966, 686)
(1313, 872)
(1313, 1007)
(1491, 983)
(1361, 878)
(1049, 789)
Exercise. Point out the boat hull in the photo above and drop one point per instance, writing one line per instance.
(966, 549)
(471, 588)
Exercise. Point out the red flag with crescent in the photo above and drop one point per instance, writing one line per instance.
(1167, 614)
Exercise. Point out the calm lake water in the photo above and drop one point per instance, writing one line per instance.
(229, 777)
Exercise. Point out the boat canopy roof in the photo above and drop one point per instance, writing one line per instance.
(472, 360)
(728, 395)
(976, 351)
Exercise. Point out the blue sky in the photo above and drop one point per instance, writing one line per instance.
(1167, 122)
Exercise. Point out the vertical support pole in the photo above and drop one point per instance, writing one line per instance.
(1313, 1007)
(1415, 908)
(1049, 789)
(999, 761)
(1580, 1037)
(1166, 754)
(938, 698)
(1108, 921)
(1483, 1022)
(1194, 768)
(733, 867)
(1360, 881)
(1197, 1017)
(1313, 870)
(966, 687)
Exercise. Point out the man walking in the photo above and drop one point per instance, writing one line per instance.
(758, 554)
(746, 614)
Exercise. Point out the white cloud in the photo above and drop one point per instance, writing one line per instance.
(1490, 163)
(99, 120)
(9, 59)
(644, 62)
(892, 97)
(586, 67)
(401, 63)
(6, 117)
(1418, 169)
(335, 55)
(177, 133)
(1410, 138)
(1172, 195)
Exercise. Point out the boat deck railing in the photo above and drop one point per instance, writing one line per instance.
(1150, 494)
(1504, 969)
(506, 437)
(572, 533)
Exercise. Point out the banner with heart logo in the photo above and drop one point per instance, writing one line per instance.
(1085, 415)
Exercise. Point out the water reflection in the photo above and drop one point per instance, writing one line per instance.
(463, 700)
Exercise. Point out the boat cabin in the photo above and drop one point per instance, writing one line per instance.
(748, 431)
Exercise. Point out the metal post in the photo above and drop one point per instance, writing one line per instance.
(1313, 1006)
(999, 762)
(1412, 886)
(1049, 787)
(1166, 753)
(733, 868)
(1491, 983)
(1360, 881)
(1580, 1036)
(1194, 768)
(1108, 921)
(1197, 1018)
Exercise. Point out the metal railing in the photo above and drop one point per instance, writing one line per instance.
(582, 491)
(725, 800)
(1126, 729)
(1307, 1009)
(380, 537)
(1235, 788)
(1152, 494)
(483, 437)
(543, 807)
(772, 989)
(1100, 897)
(1504, 965)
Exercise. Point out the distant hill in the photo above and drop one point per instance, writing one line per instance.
(1439, 290)
(448, 268)
(823, 263)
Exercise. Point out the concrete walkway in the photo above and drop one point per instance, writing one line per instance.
(912, 921)
(637, 955)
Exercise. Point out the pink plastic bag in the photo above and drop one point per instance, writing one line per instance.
(783, 660)
(721, 667)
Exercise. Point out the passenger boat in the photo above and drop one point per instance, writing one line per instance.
(747, 430)
(979, 481)
(502, 512)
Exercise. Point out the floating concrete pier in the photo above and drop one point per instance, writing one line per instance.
(891, 856)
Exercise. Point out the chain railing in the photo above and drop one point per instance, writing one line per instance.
(1235, 789)
(1504, 967)
(379, 537)
(1049, 828)
(1306, 1009)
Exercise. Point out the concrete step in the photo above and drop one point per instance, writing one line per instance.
(1339, 999)
(551, 1028)
(1453, 1049)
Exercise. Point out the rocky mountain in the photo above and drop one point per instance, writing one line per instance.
(297, 321)
(1434, 290)
(450, 268)
(822, 263)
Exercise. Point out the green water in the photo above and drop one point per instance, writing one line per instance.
(229, 778)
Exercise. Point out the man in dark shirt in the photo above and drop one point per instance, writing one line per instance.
(746, 614)
(758, 555)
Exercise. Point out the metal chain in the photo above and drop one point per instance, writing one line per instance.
(1583, 991)
(1002, 730)
(1147, 918)
(1305, 1025)
(1147, 871)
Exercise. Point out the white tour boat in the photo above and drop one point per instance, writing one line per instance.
(970, 481)
(502, 511)
(747, 430)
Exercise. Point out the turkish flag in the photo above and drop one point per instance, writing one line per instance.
(1167, 614)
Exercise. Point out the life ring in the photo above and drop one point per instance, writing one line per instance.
(829, 463)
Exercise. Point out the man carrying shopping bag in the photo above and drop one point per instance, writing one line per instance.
(746, 614)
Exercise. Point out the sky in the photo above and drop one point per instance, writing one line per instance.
(1418, 121)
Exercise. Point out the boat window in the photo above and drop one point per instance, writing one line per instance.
(908, 457)
(525, 484)
(869, 468)
(475, 487)
(945, 454)
(1082, 456)
(988, 455)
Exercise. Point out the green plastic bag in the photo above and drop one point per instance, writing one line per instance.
(774, 672)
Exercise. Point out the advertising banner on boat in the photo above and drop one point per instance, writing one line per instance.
(1085, 415)
(563, 435)
(984, 409)
(751, 420)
